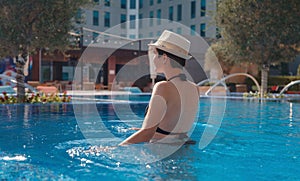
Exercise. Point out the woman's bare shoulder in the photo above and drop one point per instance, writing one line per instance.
(161, 88)
(161, 85)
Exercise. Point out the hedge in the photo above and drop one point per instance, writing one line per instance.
(284, 80)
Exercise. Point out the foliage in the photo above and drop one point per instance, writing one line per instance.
(36, 98)
(264, 32)
(282, 80)
(26, 25)
(259, 31)
(265, 95)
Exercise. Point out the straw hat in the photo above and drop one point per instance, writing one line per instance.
(174, 44)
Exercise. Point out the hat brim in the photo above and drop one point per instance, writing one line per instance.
(176, 53)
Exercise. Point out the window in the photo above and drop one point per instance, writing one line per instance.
(158, 1)
(141, 4)
(78, 16)
(107, 19)
(158, 12)
(218, 33)
(158, 33)
(171, 13)
(132, 36)
(96, 18)
(123, 4)
(95, 35)
(123, 20)
(106, 2)
(96, 1)
(132, 21)
(193, 29)
(150, 34)
(179, 12)
(132, 4)
(202, 29)
(193, 9)
(151, 2)
(179, 31)
(203, 7)
(140, 20)
(67, 72)
(151, 15)
(47, 69)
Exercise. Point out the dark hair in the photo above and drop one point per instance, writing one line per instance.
(177, 63)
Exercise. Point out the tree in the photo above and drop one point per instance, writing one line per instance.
(28, 25)
(264, 32)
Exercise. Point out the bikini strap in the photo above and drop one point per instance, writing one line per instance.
(181, 76)
(159, 130)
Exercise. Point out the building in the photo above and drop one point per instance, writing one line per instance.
(106, 14)
(123, 28)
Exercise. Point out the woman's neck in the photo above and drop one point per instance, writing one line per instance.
(171, 73)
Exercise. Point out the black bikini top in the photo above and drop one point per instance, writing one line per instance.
(181, 135)
(159, 130)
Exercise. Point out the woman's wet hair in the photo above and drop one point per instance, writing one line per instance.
(177, 63)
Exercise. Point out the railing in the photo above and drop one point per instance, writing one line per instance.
(288, 86)
(232, 75)
(14, 81)
(208, 81)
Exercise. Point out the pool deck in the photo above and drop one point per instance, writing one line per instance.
(102, 92)
(202, 90)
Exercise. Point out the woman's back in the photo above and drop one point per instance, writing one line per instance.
(182, 101)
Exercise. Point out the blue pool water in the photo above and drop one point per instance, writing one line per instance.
(256, 141)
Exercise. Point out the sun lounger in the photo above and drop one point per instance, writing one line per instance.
(7, 89)
(47, 89)
(132, 89)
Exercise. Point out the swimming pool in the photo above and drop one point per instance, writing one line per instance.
(256, 141)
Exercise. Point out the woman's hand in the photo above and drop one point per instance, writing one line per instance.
(134, 128)
(142, 135)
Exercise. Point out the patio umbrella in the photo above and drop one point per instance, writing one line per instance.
(151, 57)
(26, 66)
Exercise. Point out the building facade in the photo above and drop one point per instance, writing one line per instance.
(138, 19)
(111, 24)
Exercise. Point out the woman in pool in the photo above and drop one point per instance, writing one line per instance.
(174, 102)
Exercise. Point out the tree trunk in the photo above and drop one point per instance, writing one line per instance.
(20, 82)
(264, 81)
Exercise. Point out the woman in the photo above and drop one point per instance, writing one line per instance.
(174, 103)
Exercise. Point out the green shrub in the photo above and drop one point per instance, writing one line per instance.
(35, 98)
(284, 80)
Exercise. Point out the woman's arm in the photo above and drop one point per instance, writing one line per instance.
(156, 112)
(143, 135)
